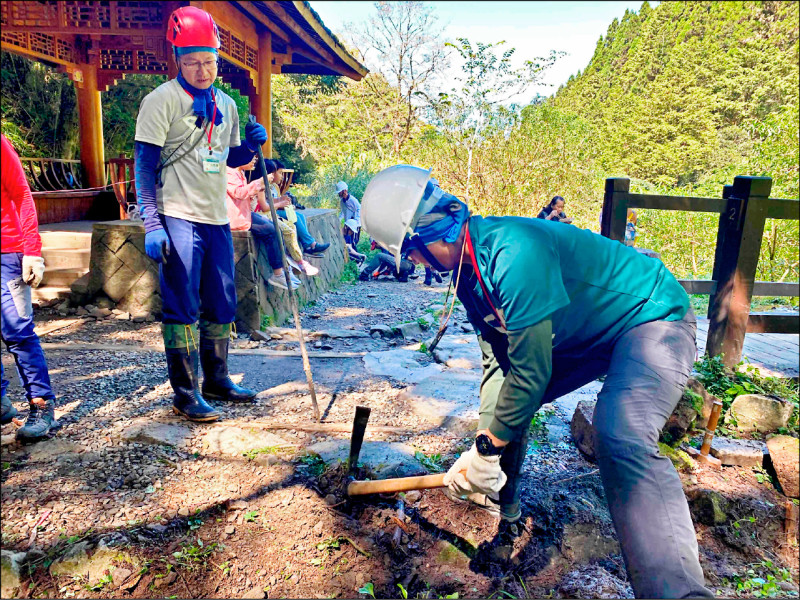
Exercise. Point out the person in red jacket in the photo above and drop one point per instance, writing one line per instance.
(22, 269)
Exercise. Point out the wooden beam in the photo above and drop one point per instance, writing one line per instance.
(253, 11)
(772, 322)
(90, 112)
(302, 33)
(263, 99)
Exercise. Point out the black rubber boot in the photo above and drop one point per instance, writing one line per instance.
(318, 249)
(41, 419)
(8, 411)
(217, 385)
(182, 368)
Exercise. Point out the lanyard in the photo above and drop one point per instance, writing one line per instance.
(471, 249)
(213, 116)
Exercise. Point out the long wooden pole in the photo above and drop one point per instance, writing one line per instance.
(287, 274)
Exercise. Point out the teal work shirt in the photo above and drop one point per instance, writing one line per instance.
(592, 288)
(579, 289)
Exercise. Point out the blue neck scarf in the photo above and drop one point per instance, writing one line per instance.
(203, 105)
(443, 221)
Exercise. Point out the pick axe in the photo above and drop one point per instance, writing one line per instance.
(382, 486)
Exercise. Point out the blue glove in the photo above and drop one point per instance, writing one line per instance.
(156, 244)
(255, 135)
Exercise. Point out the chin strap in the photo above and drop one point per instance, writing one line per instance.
(415, 242)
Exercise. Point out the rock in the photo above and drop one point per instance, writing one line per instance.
(593, 581)
(235, 441)
(449, 399)
(754, 412)
(585, 542)
(447, 554)
(582, 430)
(413, 496)
(467, 327)
(49, 450)
(401, 364)
(8, 439)
(259, 336)
(149, 318)
(123, 317)
(256, 592)
(105, 303)
(695, 386)
(409, 331)
(146, 431)
(744, 453)
(74, 562)
(183, 512)
(386, 459)
(10, 570)
(318, 529)
(708, 507)
(428, 319)
(237, 505)
(81, 311)
(338, 334)
(783, 452)
(119, 575)
(230, 529)
(139, 319)
(682, 418)
(680, 458)
(381, 330)
(100, 313)
(330, 499)
(459, 352)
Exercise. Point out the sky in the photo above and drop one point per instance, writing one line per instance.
(533, 28)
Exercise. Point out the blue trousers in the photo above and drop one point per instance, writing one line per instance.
(17, 331)
(263, 230)
(197, 280)
(303, 236)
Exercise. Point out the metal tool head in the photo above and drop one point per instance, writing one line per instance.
(706, 459)
(359, 427)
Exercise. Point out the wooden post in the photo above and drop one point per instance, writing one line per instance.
(262, 103)
(90, 113)
(741, 228)
(615, 208)
(167, 9)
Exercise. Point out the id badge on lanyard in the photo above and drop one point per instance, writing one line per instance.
(210, 163)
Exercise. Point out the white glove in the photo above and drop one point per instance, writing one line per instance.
(32, 270)
(475, 473)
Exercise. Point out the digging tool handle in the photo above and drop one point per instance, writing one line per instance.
(711, 427)
(287, 274)
(399, 484)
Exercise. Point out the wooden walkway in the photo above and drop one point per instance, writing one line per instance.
(775, 354)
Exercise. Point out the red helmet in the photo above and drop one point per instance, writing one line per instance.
(191, 26)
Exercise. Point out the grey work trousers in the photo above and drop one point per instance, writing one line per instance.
(646, 372)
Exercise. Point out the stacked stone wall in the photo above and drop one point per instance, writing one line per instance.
(121, 270)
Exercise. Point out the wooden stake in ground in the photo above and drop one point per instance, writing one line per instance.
(287, 273)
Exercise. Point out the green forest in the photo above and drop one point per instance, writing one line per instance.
(680, 97)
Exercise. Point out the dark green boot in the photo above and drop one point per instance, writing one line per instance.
(41, 419)
(217, 385)
(180, 346)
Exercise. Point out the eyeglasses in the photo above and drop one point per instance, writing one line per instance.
(195, 65)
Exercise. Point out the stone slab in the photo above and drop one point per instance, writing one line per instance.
(49, 450)
(744, 453)
(11, 563)
(459, 352)
(151, 432)
(235, 441)
(401, 364)
(385, 459)
(449, 399)
(582, 429)
(339, 334)
(784, 451)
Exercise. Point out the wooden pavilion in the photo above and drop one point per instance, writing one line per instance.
(99, 42)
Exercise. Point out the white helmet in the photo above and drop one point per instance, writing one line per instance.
(341, 186)
(392, 205)
(352, 224)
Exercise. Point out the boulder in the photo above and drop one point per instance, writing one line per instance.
(336, 334)
(582, 429)
(259, 336)
(74, 562)
(593, 581)
(10, 571)
(409, 331)
(682, 418)
(754, 412)
(783, 452)
(401, 364)
(695, 386)
(743, 453)
(50, 450)
(459, 352)
(385, 459)
(382, 330)
(449, 399)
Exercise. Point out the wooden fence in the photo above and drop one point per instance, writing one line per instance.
(743, 210)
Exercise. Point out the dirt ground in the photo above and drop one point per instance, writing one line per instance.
(187, 521)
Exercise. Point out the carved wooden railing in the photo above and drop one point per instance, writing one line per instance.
(53, 174)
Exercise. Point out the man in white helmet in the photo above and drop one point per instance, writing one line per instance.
(556, 307)
(351, 210)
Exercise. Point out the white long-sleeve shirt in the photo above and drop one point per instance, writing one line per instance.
(351, 209)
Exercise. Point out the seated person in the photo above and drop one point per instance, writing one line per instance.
(306, 240)
(349, 236)
(383, 263)
(554, 211)
(241, 202)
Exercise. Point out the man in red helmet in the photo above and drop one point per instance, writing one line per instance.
(187, 133)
